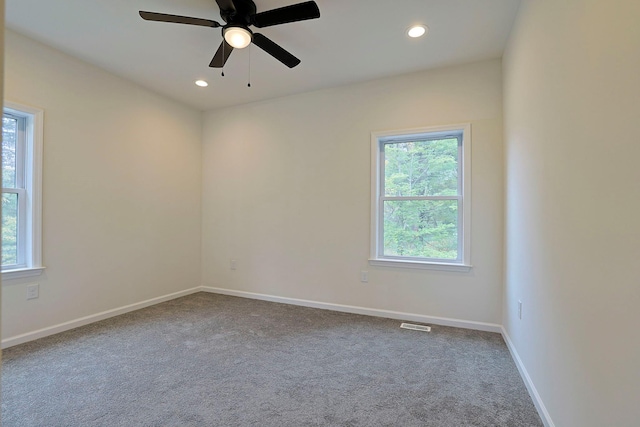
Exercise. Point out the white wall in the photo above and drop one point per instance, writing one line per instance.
(121, 191)
(572, 109)
(286, 193)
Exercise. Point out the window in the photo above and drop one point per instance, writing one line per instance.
(21, 190)
(420, 213)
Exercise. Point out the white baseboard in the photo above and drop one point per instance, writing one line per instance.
(533, 392)
(443, 321)
(41, 333)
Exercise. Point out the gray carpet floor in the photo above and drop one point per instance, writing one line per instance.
(214, 360)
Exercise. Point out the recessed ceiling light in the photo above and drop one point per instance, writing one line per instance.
(202, 83)
(417, 31)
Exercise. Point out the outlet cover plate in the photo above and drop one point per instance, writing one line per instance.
(33, 291)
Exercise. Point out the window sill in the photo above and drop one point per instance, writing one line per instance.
(22, 272)
(464, 268)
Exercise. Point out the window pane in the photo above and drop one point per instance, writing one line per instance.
(421, 168)
(9, 132)
(421, 228)
(9, 228)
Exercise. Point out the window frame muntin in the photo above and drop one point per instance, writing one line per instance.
(378, 139)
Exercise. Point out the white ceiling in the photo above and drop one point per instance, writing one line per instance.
(354, 40)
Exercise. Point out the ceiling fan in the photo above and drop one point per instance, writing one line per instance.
(239, 15)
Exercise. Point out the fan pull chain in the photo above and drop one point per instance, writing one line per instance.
(223, 63)
(249, 84)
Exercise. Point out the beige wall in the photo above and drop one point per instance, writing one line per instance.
(286, 193)
(121, 191)
(572, 109)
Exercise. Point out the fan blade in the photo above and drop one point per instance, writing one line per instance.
(274, 50)
(226, 5)
(283, 15)
(163, 17)
(221, 56)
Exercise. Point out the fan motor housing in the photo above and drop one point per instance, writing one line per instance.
(242, 15)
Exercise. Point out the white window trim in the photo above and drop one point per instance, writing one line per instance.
(375, 258)
(33, 184)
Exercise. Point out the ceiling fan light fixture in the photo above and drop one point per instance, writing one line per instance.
(417, 31)
(202, 83)
(238, 37)
(239, 15)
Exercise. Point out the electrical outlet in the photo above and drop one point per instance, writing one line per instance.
(233, 264)
(364, 276)
(519, 309)
(33, 291)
